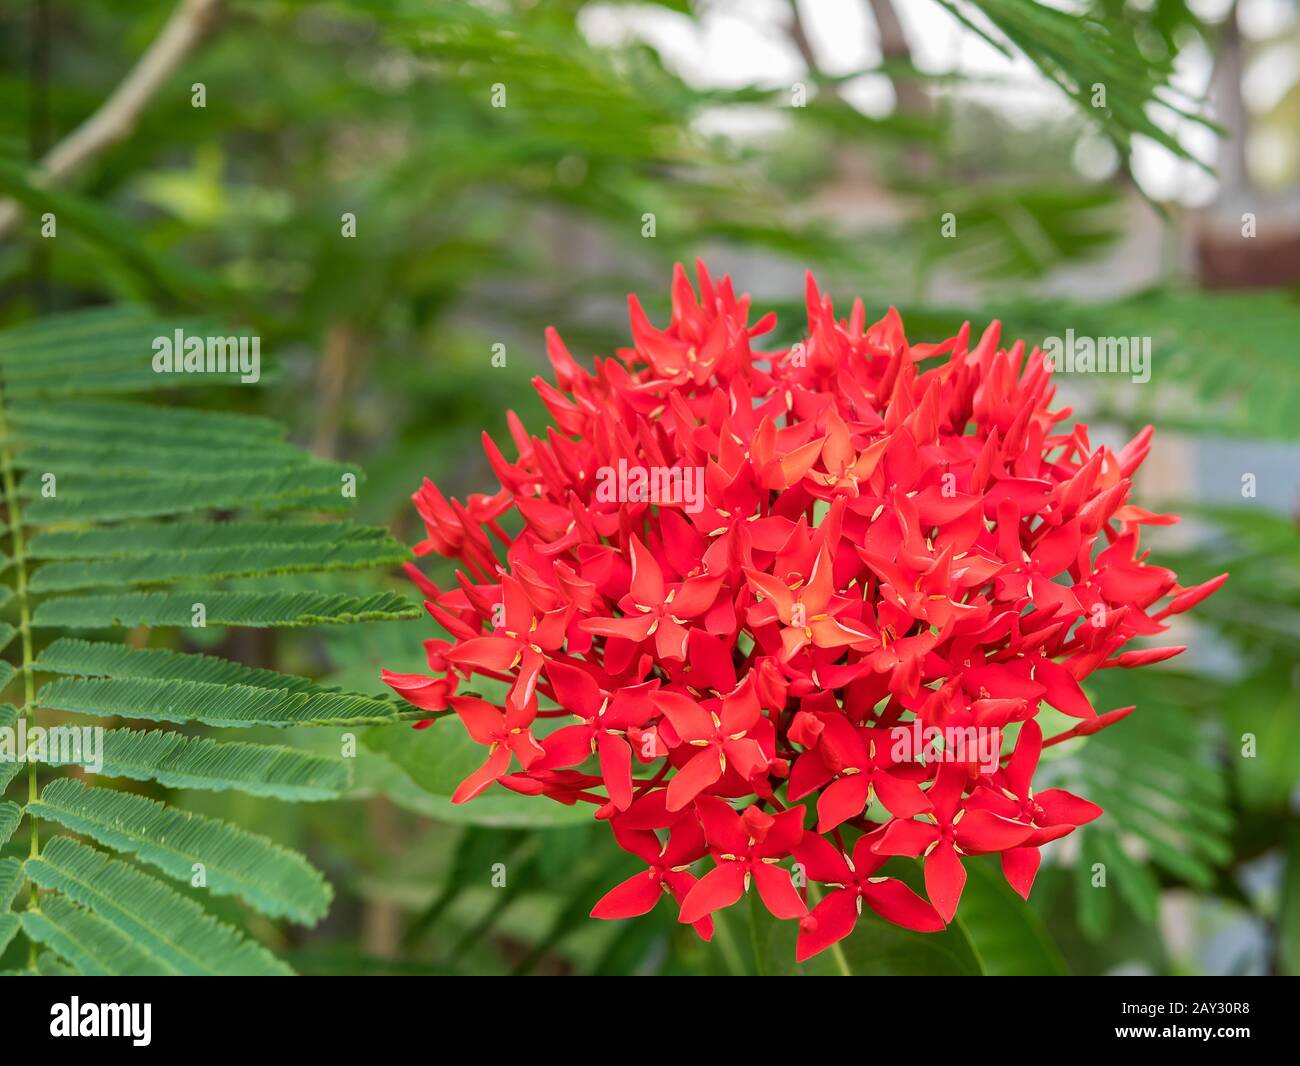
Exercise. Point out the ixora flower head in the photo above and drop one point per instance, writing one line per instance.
(894, 557)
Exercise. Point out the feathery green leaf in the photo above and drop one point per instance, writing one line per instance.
(174, 930)
(273, 879)
(222, 608)
(173, 700)
(178, 761)
(92, 945)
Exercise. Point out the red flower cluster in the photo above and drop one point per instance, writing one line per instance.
(831, 575)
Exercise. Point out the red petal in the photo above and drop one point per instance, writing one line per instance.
(634, 897)
(647, 579)
(822, 860)
(778, 892)
(1191, 597)
(718, 888)
(944, 879)
(1062, 690)
(902, 799)
(691, 721)
(616, 769)
(566, 747)
(1020, 867)
(841, 800)
(897, 903)
(695, 597)
(497, 764)
(831, 921)
(482, 720)
(575, 690)
(636, 627)
(1024, 760)
(906, 837)
(986, 831)
(1057, 550)
(945, 793)
(693, 778)
(487, 653)
(1065, 808)
(1128, 660)
(722, 826)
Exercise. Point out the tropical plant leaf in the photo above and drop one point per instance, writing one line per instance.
(178, 761)
(9, 816)
(102, 659)
(233, 861)
(215, 704)
(148, 513)
(82, 497)
(9, 924)
(11, 880)
(162, 567)
(178, 934)
(1079, 50)
(258, 609)
(92, 945)
(8, 767)
(1163, 790)
(146, 539)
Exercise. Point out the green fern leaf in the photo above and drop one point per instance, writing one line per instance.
(89, 499)
(222, 608)
(93, 946)
(9, 817)
(175, 931)
(9, 767)
(218, 705)
(163, 567)
(126, 541)
(8, 929)
(178, 761)
(101, 659)
(10, 881)
(273, 879)
(143, 425)
(194, 498)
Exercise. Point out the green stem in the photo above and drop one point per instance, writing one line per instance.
(14, 512)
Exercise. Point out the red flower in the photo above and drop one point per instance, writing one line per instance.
(849, 766)
(606, 720)
(716, 734)
(504, 734)
(746, 848)
(952, 831)
(668, 872)
(1053, 812)
(854, 885)
(857, 545)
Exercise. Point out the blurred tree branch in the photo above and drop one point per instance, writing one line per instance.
(117, 116)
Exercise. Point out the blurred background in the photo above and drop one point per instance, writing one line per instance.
(390, 191)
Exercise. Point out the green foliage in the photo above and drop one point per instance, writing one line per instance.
(179, 936)
(229, 499)
(1080, 50)
(276, 881)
